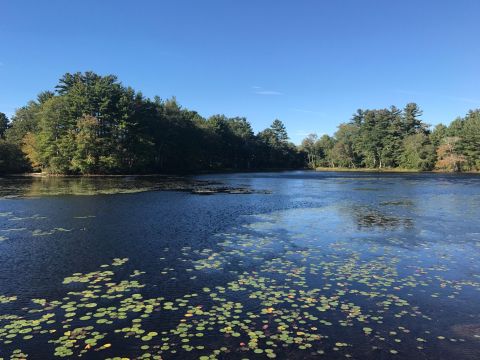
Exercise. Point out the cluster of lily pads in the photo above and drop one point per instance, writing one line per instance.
(14, 219)
(289, 293)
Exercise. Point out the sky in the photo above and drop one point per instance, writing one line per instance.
(309, 63)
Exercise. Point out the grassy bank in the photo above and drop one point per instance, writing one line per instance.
(389, 170)
(383, 170)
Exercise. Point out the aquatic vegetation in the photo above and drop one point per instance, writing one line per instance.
(38, 232)
(30, 222)
(298, 283)
(468, 331)
(7, 299)
(33, 217)
(109, 185)
(14, 229)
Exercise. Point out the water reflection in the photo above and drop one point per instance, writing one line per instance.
(54, 186)
(37, 186)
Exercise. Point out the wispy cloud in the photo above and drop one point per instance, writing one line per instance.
(307, 111)
(261, 91)
(443, 96)
(268, 92)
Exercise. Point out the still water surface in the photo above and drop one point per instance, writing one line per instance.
(326, 265)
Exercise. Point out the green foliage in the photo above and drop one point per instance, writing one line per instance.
(86, 157)
(390, 138)
(418, 152)
(93, 124)
(467, 130)
(54, 145)
(411, 121)
(439, 132)
(324, 147)
(279, 131)
(383, 138)
(24, 121)
(3, 125)
(275, 150)
(308, 146)
(343, 152)
(12, 159)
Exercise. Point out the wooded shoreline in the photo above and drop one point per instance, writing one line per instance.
(391, 170)
(94, 125)
(246, 171)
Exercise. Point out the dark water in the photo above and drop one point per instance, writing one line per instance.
(329, 265)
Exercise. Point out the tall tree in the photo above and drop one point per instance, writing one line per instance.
(417, 152)
(324, 147)
(469, 143)
(3, 125)
(12, 159)
(438, 133)
(448, 158)
(412, 122)
(343, 152)
(86, 158)
(308, 145)
(54, 126)
(279, 131)
(24, 121)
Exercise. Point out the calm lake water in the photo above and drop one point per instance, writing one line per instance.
(326, 265)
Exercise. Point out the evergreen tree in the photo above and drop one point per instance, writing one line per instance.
(412, 123)
(3, 125)
(279, 131)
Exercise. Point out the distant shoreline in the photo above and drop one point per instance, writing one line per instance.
(230, 171)
(389, 170)
(165, 175)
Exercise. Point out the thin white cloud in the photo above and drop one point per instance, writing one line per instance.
(268, 92)
(261, 91)
(307, 111)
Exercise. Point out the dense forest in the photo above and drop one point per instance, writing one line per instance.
(92, 124)
(394, 138)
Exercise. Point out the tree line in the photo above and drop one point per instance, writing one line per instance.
(92, 124)
(398, 138)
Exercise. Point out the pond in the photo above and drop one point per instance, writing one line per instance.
(304, 265)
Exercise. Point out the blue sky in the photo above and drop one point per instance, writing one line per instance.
(310, 63)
